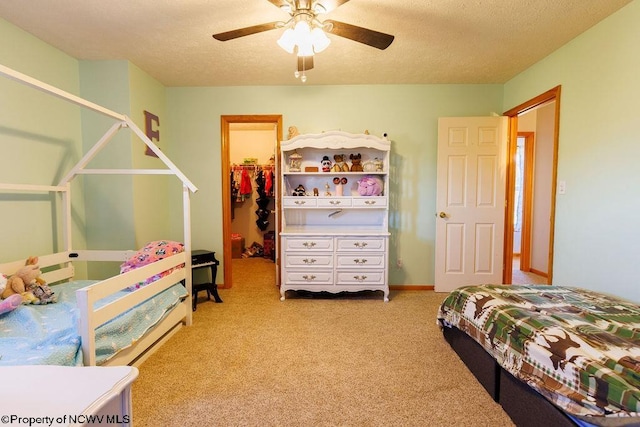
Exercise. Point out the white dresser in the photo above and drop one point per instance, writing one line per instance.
(333, 239)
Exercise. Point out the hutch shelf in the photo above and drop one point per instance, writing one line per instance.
(334, 234)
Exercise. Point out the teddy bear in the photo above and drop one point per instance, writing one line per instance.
(356, 162)
(24, 282)
(20, 280)
(340, 165)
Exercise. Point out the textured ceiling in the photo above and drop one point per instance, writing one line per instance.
(436, 41)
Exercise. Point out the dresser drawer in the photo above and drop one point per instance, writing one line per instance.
(308, 277)
(311, 260)
(355, 277)
(299, 202)
(369, 202)
(364, 261)
(308, 244)
(361, 244)
(334, 202)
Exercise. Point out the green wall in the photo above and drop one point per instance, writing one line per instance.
(43, 137)
(407, 113)
(40, 140)
(597, 234)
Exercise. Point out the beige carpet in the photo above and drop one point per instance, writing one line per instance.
(519, 277)
(353, 361)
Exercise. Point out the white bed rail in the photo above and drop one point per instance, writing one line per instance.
(91, 317)
(58, 266)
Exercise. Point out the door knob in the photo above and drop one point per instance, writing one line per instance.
(442, 215)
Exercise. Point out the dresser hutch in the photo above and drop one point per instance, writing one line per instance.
(334, 232)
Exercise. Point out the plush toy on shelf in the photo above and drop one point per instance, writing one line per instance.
(356, 162)
(326, 164)
(370, 186)
(340, 165)
(299, 191)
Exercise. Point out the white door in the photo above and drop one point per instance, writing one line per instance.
(470, 201)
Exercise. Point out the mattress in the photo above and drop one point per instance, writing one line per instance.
(578, 348)
(48, 335)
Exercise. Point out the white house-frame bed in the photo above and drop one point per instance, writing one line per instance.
(58, 267)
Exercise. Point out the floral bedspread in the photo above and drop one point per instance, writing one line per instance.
(578, 348)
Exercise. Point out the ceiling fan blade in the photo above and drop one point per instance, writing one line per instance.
(363, 35)
(330, 5)
(305, 63)
(241, 32)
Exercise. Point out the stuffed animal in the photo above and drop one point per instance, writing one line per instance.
(42, 293)
(370, 186)
(20, 280)
(340, 165)
(33, 260)
(356, 160)
(6, 305)
(299, 191)
(24, 283)
(326, 164)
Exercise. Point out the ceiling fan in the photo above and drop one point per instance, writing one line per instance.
(305, 33)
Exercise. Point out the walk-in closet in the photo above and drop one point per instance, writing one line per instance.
(253, 187)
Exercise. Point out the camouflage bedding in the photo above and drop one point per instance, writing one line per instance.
(578, 348)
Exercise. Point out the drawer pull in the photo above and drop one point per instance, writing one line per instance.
(308, 261)
(309, 245)
(360, 261)
(300, 202)
(369, 202)
(360, 245)
(360, 278)
(335, 202)
(309, 278)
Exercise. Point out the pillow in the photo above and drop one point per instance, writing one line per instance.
(152, 252)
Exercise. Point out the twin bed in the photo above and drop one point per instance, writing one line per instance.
(96, 323)
(549, 355)
(106, 322)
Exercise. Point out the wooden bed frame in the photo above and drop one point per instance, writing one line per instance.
(58, 267)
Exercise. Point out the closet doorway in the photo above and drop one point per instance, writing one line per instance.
(535, 125)
(248, 143)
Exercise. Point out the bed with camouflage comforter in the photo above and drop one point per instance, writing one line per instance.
(577, 348)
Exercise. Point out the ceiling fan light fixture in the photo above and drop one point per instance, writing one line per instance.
(287, 40)
(307, 40)
(319, 40)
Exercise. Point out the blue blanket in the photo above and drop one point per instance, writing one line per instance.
(48, 335)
